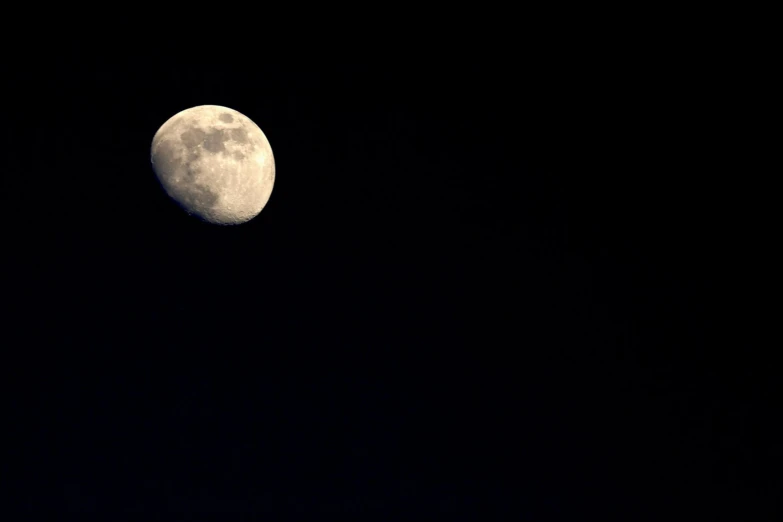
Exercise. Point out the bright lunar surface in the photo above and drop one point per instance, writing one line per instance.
(215, 163)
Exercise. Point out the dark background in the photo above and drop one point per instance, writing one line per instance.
(484, 288)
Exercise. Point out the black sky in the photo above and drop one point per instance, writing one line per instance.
(483, 289)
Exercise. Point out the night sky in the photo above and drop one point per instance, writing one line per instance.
(483, 289)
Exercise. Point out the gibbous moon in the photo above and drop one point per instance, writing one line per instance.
(215, 163)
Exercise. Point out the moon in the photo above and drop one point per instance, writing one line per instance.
(215, 163)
